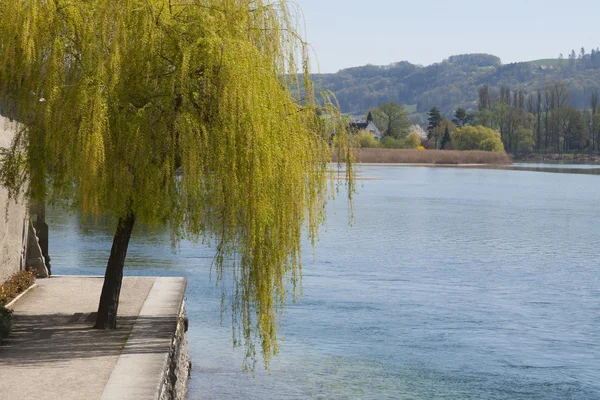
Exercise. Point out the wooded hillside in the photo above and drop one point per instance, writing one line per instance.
(454, 82)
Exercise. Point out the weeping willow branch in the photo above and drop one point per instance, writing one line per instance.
(118, 97)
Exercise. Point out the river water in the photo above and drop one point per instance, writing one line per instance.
(450, 284)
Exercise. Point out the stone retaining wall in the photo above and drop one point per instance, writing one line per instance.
(13, 220)
(174, 386)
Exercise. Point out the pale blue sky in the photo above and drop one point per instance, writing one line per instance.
(346, 33)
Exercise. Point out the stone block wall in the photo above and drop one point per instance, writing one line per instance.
(13, 220)
(175, 378)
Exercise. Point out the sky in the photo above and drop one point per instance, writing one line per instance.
(348, 33)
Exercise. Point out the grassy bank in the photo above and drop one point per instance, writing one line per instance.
(400, 156)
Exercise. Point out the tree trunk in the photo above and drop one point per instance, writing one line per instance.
(109, 299)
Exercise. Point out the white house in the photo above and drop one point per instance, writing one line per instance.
(367, 126)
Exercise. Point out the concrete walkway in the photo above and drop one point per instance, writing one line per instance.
(54, 353)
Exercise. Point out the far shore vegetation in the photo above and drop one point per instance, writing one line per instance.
(454, 83)
(447, 157)
(547, 106)
(505, 120)
(443, 142)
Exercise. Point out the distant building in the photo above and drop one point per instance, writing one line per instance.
(367, 126)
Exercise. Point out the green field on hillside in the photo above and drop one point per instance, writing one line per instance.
(410, 108)
(454, 83)
(549, 62)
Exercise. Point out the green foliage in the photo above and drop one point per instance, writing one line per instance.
(389, 142)
(410, 108)
(477, 138)
(549, 62)
(367, 140)
(484, 118)
(5, 322)
(491, 144)
(570, 128)
(454, 83)
(185, 115)
(391, 119)
(525, 142)
(434, 119)
(477, 60)
(460, 114)
(463, 118)
(413, 141)
(542, 121)
(438, 132)
(445, 139)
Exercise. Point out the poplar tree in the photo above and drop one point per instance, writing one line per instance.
(445, 139)
(187, 114)
(434, 119)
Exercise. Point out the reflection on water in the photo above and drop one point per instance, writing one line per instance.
(556, 168)
(558, 165)
(450, 284)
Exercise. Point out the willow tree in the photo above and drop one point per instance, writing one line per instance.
(187, 114)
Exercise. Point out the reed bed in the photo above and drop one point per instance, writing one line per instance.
(401, 156)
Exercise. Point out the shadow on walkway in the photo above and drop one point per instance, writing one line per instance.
(52, 338)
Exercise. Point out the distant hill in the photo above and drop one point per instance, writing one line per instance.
(454, 82)
(552, 62)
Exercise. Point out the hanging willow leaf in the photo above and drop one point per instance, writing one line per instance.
(195, 114)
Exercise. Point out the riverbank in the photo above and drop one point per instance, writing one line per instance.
(53, 352)
(581, 158)
(429, 157)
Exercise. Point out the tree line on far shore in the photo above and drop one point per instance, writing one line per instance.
(397, 133)
(542, 121)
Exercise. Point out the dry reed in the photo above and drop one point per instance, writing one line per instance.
(401, 156)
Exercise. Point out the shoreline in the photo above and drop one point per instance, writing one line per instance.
(559, 158)
(386, 164)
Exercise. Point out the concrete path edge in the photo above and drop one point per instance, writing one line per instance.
(13, 301)
(141, 369)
